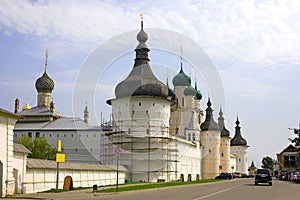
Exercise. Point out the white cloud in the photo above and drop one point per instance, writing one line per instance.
(252, 31)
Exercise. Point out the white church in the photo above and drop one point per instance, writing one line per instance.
(162, 133)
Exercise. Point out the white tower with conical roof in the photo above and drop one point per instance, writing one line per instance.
(141, 113)
(239, 148)
(210, 140)
(224, 145)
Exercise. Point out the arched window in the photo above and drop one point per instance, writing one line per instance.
(30, 134)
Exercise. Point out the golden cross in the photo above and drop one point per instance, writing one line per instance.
(142, 18)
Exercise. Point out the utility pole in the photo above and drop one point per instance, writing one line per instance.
(60, 157)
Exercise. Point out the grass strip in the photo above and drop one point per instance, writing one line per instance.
(154, 185)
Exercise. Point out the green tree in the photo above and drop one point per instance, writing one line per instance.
(267, 162)
(27, 142)
(39, 148)
(296, 140)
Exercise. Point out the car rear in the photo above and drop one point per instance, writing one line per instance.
(263, 176)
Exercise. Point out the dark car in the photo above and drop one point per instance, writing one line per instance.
(281, 174)
(224, 176)
(263, 176)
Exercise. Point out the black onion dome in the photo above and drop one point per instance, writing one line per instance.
(181, 79)
(209, 123)
(190, 91)
(238, 140)
(44, 83)
(141, 80)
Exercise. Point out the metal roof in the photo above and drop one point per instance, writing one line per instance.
(63, 123)
(50, 164)
(20, 148)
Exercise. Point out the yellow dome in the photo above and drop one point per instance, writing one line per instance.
(26, 107)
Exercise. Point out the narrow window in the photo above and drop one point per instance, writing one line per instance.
(30, 134)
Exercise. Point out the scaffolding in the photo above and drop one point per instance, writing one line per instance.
(156, 155)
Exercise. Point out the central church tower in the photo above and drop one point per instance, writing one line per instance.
(141, 113)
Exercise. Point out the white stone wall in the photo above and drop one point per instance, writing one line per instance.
(225, 154)
(142, 115)
(241, 153)
(232, 164)
(37, 180)
(189, 160)
(19, 167)
(210, 153)
(6, 154)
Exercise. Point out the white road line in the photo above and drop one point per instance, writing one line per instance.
(212, 194)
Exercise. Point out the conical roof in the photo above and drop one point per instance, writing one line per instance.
(141, 80)
(224, 131)
(209, 123)
(238, 140)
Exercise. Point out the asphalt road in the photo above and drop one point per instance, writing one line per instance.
(237, 189)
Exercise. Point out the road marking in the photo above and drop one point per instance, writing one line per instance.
(212, 194)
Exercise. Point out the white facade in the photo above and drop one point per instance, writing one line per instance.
(19, 165)
(7, 122)
(241, 154)
(41, 175)
(143, 116)
(225, 155)
(210, 153)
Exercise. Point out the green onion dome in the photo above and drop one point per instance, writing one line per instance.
(190, 91)
(181, 79)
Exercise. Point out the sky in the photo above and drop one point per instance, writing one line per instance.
(252, 47)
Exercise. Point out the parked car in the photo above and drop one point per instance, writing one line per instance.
(237, 175)
(263, 176)
(224, 176)
(281, 174)
(286, 176)
(296, 177)
(244, 175)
